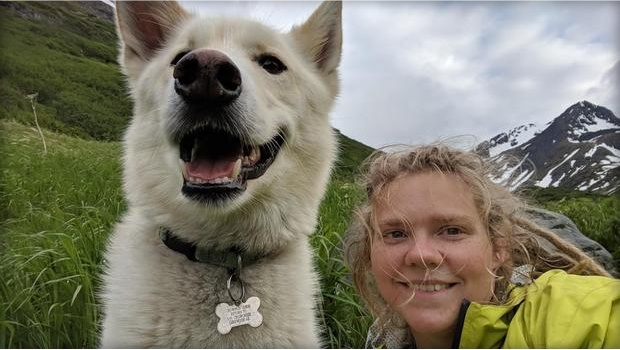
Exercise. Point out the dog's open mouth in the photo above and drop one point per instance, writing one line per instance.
(217, 164)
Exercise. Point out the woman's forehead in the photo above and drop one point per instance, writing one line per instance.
(427, 185)
(436, 196)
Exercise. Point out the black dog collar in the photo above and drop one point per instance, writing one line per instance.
(230, 259)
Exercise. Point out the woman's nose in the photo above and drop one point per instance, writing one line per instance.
(424, 252)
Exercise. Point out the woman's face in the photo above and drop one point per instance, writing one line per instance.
(431, 251)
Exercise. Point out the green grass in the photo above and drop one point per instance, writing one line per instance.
(56, 212)
(346, 321)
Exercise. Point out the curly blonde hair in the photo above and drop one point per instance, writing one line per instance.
(501, 212)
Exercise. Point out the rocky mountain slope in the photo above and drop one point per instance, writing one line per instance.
(580, 149)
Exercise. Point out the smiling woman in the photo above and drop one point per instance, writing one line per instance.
(431, 222)
(445, 258)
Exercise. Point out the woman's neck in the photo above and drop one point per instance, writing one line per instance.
(441, 340)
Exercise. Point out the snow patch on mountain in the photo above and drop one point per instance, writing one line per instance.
(547, 180)
(513, 138)
(587, 124)
(512, 176)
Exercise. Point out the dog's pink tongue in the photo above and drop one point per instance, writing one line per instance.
(207, 169)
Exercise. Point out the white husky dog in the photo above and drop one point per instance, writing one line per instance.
(225, 163)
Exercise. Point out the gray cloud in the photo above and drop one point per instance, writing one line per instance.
(607, 92)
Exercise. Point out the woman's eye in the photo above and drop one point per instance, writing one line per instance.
(394, 234)
(271, 64)
(452, 231)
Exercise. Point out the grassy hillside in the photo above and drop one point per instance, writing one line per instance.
(352, 154)
(68, 57)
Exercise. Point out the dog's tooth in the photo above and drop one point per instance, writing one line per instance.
(236, 169)
(184, 170)
(221, 180)
(255, 155)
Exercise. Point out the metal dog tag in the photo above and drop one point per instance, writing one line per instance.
(238, 315)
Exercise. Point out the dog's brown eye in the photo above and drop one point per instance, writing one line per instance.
(178, 57)
(271, 64)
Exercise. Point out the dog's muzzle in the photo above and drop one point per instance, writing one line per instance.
(216, 162)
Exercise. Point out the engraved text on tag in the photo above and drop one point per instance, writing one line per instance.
(233, 315)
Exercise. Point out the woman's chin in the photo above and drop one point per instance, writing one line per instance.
(431, 320)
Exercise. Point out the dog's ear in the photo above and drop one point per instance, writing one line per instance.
(143, 27)
(320, 37)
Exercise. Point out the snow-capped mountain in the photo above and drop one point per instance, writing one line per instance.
(580, 149)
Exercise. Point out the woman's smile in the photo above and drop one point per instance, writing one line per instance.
(425, 289)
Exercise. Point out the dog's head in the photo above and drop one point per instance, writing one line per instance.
(228, 112)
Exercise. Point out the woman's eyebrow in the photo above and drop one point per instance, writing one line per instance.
(444, 219)
(451, 219)
(390, 222)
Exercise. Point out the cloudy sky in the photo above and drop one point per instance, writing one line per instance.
(420, 71)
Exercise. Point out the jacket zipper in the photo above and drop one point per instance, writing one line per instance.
(459, 324)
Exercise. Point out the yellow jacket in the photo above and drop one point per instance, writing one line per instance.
(557, 310)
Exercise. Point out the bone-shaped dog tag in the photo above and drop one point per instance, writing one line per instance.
(233, 315)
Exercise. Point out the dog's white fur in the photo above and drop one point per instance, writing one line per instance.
(156, 297)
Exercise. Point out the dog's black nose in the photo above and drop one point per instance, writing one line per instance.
(208, 77)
